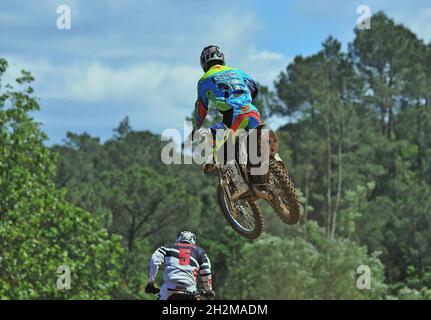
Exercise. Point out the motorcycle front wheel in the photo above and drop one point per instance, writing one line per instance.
(244, 216)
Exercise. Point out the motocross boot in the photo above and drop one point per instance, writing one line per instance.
(209, 166)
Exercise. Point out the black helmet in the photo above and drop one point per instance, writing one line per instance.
(211, 54)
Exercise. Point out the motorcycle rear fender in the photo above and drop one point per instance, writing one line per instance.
(274, 144)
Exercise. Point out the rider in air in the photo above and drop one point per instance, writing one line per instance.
(184, 263)
(228, 89)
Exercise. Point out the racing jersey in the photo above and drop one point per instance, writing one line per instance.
(184, 264)
(228, 89)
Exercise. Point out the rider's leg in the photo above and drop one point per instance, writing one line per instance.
(246, 120)
(236, 121)
(249, 121)
(164, 292)
(233, 167)
(217, 131)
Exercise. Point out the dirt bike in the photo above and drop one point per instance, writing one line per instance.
(188, 295)
(276, 187)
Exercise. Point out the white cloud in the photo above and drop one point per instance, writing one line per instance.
(163, 93)
(263, 66)
(155, 94)
(266, 56)
(154, 82)
(149, 82)
(231, 31)
(236, 36)
(266, 65)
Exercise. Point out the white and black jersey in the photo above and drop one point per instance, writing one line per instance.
(184, 265)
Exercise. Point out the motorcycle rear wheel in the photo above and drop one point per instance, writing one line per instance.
(246, 217)
(286, 202)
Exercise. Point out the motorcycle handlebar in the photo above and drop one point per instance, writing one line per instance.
(199, 292)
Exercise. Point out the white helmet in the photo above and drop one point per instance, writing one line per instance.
(186, 236)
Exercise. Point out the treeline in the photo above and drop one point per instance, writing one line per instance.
(360, 148)
(356, 142)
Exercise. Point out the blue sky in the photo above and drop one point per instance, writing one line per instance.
(140, 58)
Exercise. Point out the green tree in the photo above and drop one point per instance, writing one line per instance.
(39, 229)
(295, 268)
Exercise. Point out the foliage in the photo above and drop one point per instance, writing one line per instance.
(39, 230)
(298, 268)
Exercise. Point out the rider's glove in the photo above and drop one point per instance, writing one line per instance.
(150, 288)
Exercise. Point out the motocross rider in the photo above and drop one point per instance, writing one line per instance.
(184, 263)
(228, 89)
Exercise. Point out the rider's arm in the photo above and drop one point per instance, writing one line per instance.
(251, 85)
(205, 271)
(201, 107)
(156, 260)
